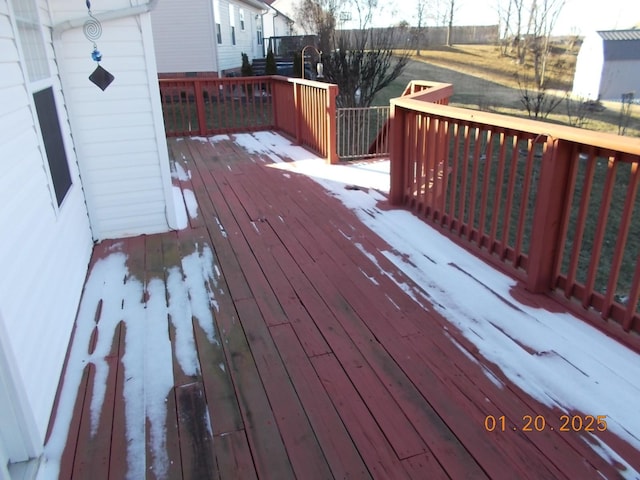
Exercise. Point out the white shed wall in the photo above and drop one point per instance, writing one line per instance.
(184, 38)
(589, 64)
(618, 78)
(119, 133)
(44, 250)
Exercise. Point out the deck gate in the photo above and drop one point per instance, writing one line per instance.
(363, 132)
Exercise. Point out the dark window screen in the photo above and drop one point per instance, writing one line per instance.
(53, 144)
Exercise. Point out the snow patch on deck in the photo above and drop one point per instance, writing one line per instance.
(114, 296)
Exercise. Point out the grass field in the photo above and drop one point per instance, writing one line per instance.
(483, 79)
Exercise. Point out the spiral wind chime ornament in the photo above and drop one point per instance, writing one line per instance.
(93, 31)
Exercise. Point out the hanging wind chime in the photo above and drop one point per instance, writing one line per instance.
(93, 31)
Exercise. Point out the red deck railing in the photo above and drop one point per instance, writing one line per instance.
(302, 109)
(557, 206)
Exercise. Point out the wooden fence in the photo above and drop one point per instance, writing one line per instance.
(557, 206)
(302, 109)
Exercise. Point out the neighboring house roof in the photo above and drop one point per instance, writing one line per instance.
(621, 44)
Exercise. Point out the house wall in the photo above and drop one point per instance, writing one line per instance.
(589, 64)
(620, 77)
(276, 24)
(184, 38)
(119, 133)
(44, 249)
(229, 55)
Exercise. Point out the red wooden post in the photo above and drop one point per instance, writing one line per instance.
(551, 210)
(271, 87)
(297, 105)
(332, 128)
(397, 155)
(202, 119)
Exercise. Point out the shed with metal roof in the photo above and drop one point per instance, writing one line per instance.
(608, 65)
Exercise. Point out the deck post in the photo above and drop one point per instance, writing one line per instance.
(397, 155)
(297, 105)
(332, 128)
(202, 118)
(551, 210)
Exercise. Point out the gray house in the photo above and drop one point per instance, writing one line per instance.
(608, 65)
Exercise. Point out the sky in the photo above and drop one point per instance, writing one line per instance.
(577, 17)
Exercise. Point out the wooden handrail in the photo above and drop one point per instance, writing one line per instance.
(473, 173)
(303, 109)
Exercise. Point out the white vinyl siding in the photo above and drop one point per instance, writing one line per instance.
(44, 250)
(196, 48)
(230, 56)
(185, 38)
(119, 134)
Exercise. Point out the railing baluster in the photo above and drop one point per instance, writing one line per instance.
(463, 189)
(600, 230)
(477, 146)
(508, 213)
(497, 195)
(621, 241)
(633, 299)
(485, 186)
(443, 162)
(580, 223)
(454, 175)
(523, 201)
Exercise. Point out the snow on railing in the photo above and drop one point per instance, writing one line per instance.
(557, 206)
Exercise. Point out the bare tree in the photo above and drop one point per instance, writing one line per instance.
(511, 17)
(624, 117)
(542, 20)
(421, 7)
(451, 9)
(362, 62)
(536, 99)
(318, 17)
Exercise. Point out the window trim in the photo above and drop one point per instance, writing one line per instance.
(34, 87)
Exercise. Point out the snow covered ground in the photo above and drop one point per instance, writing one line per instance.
(575, 367)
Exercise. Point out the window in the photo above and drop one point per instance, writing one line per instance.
(216, 19)
(232, 22)
(33, 49)
(260, 37)
(31, 40)
(53, 143)
(241, 15)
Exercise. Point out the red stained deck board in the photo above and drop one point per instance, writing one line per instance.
(395, 424)
(426, 464)
(196, 438)
(214, 369)
(204, 192)
(335, 441)
(558, 454)
(356, 299)
(118, 465)
(234, 456)
(302, 446)
(372, 444)
(268, 451)
(92, 461)
(271, 285)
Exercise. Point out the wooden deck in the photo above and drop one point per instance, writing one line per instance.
(319, 366)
